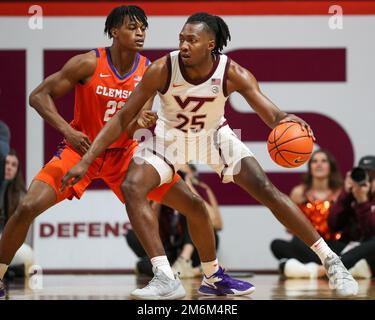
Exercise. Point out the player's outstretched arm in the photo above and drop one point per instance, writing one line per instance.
(153, 80)
(242, 81)
(77, 69)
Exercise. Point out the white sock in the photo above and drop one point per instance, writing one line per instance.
(209, 268)
(321, 249)
(3, 269)
(361, 270)
(162, 263)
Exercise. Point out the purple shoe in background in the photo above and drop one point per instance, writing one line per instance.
(223, 285)
(2, 290)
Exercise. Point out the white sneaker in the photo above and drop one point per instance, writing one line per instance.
(296, 269)
(161, 287)
(361, 270)
(339, 277)
(184, 268)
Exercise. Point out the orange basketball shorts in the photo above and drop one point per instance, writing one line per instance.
(111, 167)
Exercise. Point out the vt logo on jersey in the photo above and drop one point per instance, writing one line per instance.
(200, 100)
(195, 123)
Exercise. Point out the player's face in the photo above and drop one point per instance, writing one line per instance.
(11, 167)
(320, 167)
(131, 35)
(196, 44)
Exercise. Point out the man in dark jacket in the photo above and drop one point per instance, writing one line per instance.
(354, 215)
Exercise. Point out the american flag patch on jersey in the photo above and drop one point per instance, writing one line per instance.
(215, 81)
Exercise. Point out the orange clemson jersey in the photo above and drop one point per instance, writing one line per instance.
(104, 94)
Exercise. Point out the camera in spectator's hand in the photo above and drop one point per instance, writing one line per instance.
(360, 174)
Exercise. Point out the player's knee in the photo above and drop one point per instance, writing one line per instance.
(127, 188)
(26, 211)
(199, 203)
(199, 209)
(131, 188)
(265, 187)
(268, 192)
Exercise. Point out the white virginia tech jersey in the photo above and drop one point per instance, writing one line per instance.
(190, 105)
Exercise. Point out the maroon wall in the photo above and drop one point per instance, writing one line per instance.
(13, 98)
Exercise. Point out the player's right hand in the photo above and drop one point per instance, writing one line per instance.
(78, 140)
(74, 175)
(293, 118)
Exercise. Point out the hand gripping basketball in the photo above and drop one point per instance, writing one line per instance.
(290, 145)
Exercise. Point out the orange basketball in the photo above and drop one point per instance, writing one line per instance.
(289, 145)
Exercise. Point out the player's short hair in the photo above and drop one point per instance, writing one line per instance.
(216, 26)
(116, 18)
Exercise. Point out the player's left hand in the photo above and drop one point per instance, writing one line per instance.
(147, 118)
(293, 118)
(74, 175)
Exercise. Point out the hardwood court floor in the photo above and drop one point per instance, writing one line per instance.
(115, 287)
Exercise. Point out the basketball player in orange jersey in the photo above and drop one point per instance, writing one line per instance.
(193, 84)
(103, 80)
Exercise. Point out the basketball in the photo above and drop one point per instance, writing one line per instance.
(289, 145)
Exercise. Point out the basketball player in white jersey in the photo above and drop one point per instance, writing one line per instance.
(193, 84)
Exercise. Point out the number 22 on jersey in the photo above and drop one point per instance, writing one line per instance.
(112, 107)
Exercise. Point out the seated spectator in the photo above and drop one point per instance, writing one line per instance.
(4, 150)
(14, 191)
(315, 196)
(174, 233)
(353, 215)
(357, 202)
